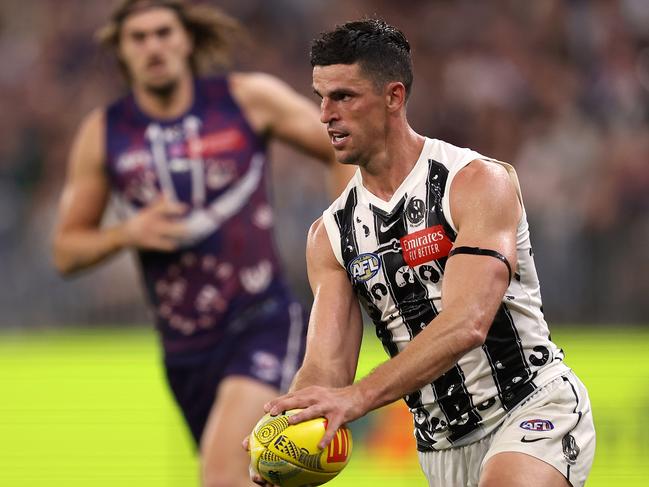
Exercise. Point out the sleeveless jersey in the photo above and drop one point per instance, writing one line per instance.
(211, 160)
(395, 253)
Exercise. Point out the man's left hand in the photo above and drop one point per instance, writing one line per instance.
(338, 405)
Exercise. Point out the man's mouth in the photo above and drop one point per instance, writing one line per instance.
(155, 63)
(337, 137)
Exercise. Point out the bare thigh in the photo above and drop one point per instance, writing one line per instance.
(238, 406)
(514, 469)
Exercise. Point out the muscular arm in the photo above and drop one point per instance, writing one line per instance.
(79, 240)
(486, 211)
(335, 326)
(272, 107)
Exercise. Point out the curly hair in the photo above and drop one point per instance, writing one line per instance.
(214, 33)
(380, 49)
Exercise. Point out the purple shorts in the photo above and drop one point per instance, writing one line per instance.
(266, 344)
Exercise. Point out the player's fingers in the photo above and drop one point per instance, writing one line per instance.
(165, 207)
(330, 432)
(246, 443)
(168, 243)
(162, 245)
(173, 208)
(274, 404)
(256, 478)
(173, 229)
(310, 412)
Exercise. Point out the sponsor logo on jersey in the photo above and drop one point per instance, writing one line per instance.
(428, 244)
(364, 267)
(222, 141)
(133, 159)
(537, 425)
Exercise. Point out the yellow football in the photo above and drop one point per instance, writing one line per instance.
(288, 455)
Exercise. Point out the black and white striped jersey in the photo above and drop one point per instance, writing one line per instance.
(395, 252)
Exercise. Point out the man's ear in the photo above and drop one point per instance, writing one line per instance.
(395, 96)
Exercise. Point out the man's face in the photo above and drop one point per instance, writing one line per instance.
(353, 110)
(155, 47)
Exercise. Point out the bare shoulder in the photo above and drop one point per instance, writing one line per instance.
(317, 233)
(256, 86)
(482, 188)
(89, 144)
(94, 123)
(480, 173)
(320, 254)
(261, 96)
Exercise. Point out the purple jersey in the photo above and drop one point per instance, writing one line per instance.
(212, 160)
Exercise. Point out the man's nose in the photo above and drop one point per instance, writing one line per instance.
(327, 112)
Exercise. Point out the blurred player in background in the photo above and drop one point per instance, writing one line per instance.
(433, 241)
(188, 157)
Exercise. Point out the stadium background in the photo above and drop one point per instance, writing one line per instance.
(560, 88)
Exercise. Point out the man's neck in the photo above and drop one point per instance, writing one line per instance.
(166, 104)
(388, 169)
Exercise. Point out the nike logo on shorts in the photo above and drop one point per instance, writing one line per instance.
(532, 440)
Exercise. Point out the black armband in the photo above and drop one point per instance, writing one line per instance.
(479, 251)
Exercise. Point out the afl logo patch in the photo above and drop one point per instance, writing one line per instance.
(364, 267)
(537, 425)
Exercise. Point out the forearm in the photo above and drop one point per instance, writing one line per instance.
(326, 376)
(433, 352)
(79, 249)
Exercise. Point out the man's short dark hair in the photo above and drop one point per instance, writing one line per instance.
(381, 50)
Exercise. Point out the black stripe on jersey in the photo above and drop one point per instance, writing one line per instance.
(435, 188)
(408, 293)
(505, 354)
(455, 402)
(349, 249)
(395, 214)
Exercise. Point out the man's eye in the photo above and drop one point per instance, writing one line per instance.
(164, 32)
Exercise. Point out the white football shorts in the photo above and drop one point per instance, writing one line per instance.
(555, 425)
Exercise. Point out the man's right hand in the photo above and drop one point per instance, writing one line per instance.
(254, 475)
(157, 227)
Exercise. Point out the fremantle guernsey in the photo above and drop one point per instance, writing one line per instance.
(211, 160)
(395, 252)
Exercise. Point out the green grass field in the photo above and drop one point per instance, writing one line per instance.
(90, 408)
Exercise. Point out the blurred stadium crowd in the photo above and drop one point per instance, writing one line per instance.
(559, 88)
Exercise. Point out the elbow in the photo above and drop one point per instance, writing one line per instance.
(62, 262)
(476, 331)
(63, 266)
